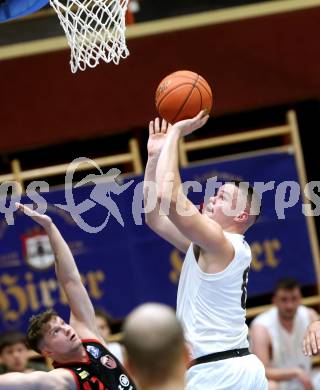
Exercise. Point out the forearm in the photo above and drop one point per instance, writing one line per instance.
(16, 381)
(167, 172)
(69, 278)
(152, 216)
(281, 374)
(38, 380)
(65, 265)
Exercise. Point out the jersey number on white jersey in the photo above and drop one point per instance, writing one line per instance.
(244, 288)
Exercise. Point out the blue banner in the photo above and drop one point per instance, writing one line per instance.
(12, 9)
(125, 263)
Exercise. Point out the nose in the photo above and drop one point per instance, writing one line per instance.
(16, 354)
(290, 305)
(67, 330)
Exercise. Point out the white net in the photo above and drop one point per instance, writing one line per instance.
(95, 30)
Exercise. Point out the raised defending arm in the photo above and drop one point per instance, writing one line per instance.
(67, 274)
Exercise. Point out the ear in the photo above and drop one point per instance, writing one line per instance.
(45, 352)
(243, 217)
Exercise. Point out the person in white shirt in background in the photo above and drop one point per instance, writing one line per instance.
(14, 353)
(276, 338)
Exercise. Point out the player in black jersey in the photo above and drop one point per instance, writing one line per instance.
(81, 358)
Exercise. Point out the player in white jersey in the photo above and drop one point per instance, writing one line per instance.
(212, 288)
(276, 337)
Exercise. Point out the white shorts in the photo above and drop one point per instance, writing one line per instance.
(245, 372)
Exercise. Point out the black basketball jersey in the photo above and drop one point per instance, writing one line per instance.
(101, 371)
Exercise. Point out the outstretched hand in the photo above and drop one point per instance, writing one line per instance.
(188, 126)
(157, 135)
(311, 342)
(44, 220)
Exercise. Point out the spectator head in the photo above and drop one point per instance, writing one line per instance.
(13, 351)
(104, 322)
(287, 298)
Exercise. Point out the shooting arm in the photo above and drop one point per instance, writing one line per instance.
(160, 223)
(199, 229)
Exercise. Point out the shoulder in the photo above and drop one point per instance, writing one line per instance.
(241, 250)
(312, 314)
(95, 346)
(259, 335)
(306, 311)
(84, 332)
(238, 241)
(265, 319)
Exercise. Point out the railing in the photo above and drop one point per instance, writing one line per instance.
(19, 176)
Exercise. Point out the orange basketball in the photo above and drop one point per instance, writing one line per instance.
(182, 95)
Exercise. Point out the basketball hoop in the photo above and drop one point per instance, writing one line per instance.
(95, 30)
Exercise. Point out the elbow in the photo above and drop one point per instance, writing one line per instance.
(151, 220)
(153, 224)
(148, 220)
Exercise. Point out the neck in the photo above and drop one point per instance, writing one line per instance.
(232, 229)
(77, 355)
(169, 385)
(287, 323)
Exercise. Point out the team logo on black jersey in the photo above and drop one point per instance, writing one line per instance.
(124, 380)
(94, 351)
(108, 361)
(83, 374)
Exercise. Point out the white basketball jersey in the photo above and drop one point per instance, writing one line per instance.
(211, 307)
(287, 347)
